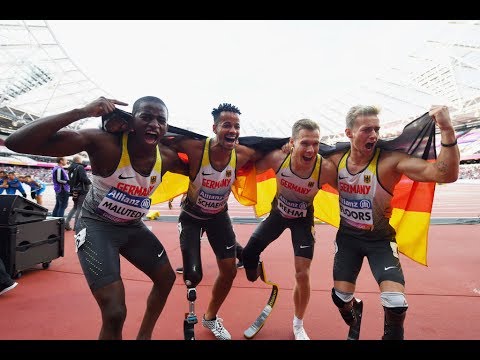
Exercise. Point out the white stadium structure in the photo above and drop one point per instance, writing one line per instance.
(38, 78)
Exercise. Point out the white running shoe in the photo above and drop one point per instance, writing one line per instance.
(300, 333)
(217, 328)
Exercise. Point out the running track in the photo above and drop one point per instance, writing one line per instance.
(444, 298)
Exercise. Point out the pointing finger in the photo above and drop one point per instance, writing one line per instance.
(118, 102)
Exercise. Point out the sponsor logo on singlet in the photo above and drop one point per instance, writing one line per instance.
(120, 206)
(291, 209)
(211, 203)
(357, 212)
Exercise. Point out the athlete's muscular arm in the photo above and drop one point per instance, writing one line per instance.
(194, 150)
(445, 169)
(171, 162)
(272, 160)
(182, 143)
(246, 154)
(47, 136)
(328, 172)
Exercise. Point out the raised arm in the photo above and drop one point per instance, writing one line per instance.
(445, 169)
(48, 135)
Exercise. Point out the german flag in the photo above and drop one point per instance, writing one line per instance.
(412, 201)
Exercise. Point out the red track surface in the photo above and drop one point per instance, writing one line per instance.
(444, 298)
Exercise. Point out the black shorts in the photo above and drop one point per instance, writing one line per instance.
(302, 230)
(382, 255)
(219, 231)
(99, 255)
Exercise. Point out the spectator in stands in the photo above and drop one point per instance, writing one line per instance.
(61, 187)
(6, 282)
(14, 185)
(79, 186)
(126, 169)
(3, 181)
(469, 171)
(37, 188)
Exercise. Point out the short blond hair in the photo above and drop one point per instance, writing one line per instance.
(360, 110)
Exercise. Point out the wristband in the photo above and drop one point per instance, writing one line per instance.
(449, 145)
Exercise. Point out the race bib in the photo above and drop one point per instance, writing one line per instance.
(357, 213)
(211, 203)
(292, 209)
(120, 206)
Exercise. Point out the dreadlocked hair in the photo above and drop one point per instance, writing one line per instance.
(224, 107)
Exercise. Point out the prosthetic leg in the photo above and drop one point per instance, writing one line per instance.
(191, 279)
(190, 316)
(192, 276)
(260, 320)
(351, 313)
(393, 323)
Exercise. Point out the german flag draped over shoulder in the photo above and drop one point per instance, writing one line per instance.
(412, 201)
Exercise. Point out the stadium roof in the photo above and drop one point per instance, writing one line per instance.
(38, 78)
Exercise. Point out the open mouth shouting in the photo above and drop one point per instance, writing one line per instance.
(370, 146)
(230, 140)
(151, 137)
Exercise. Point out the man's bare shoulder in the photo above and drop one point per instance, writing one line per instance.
(277, 156)
(184, 144)
(167, 151)
(334, 158)
(98, 139)
(171, 160)
(245, 154)
(244, 150)
(271, 160)
(98, 133)
(329, 162)
(393, 156)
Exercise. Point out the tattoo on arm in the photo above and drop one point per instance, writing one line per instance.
(442, 167)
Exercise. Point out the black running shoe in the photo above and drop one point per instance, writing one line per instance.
(7, 287)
